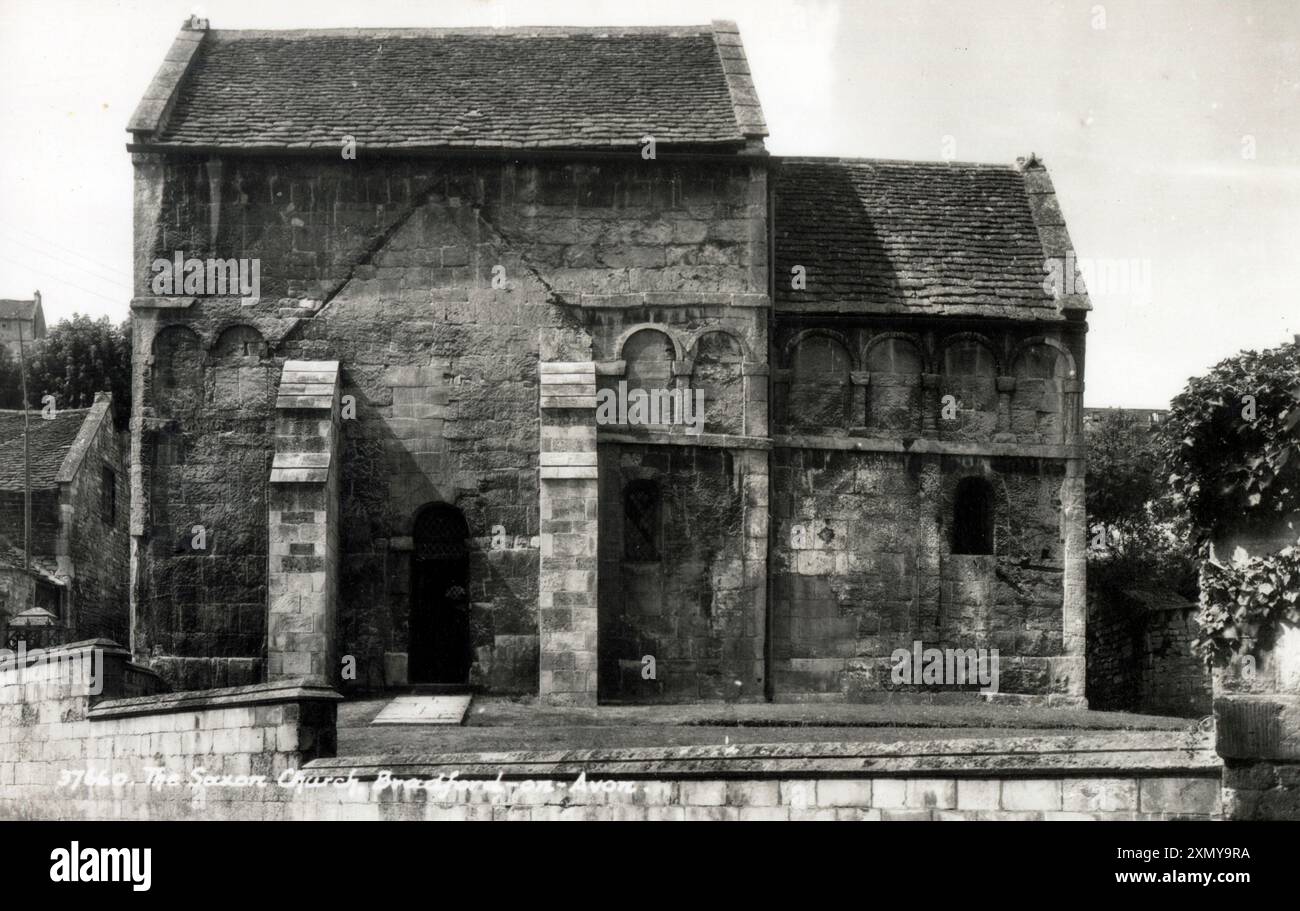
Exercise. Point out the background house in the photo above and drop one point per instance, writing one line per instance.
(79, 497)
(23, 319)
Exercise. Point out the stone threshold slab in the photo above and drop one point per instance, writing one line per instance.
(424, 710)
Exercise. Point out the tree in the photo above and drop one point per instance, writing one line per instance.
(1123, 471)
(79, 357)
(1138, 530)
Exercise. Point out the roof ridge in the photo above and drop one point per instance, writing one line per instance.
(513, 31)
(840, 159)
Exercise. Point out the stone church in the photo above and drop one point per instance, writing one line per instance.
(383, 460)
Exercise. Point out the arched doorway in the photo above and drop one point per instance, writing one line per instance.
(439, 648)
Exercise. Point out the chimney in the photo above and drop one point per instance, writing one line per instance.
(36, 296)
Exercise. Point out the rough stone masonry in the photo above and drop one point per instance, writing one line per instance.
(387, 469)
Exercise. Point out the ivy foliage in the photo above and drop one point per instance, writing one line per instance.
(1233, 441)
(1232, 449)
(1244, 604)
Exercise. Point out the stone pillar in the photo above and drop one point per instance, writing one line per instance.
(754, 473)
(1072, 417)
(860, 398)
(303, 525)
(1069, 678)
(1006, 387)
(569, 527)
(930, 383)
(756, 399)
(1257, 703)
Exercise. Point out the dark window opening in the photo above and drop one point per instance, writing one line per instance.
(972, 517)
(108, 496)
(641, 521)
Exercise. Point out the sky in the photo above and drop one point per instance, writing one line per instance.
(1171, 129)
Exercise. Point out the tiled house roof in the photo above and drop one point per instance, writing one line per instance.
(559, 88)
(918, 237)
(49, 445)
(11, 309)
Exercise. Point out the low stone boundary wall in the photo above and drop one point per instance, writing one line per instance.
(266, 752)
(1147, 775)
(73, 746)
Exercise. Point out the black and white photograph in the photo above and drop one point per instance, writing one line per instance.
(804, 411)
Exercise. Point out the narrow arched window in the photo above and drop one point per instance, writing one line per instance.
(641, 521)
(972, 517)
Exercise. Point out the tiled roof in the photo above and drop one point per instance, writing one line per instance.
(10, 309)
(437, 88)
(49, 445)
(916, 237)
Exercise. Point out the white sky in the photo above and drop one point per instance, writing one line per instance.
(1146, 125)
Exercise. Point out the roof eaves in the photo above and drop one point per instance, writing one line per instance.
(151, 113)
(735, 67)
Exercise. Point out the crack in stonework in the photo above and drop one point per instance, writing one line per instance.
(367, 257)
(553, 296)
(377, 246)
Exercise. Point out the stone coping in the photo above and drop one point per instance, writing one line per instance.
(1108, 754)
(668, 438)
(303, 689)
(927, 446)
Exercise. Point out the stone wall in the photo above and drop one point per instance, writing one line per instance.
(684, 602)
(878, 425)
(1140, 655)
(863, 565)
(388, 266)
(97, 542)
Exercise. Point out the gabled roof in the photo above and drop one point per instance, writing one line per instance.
(408, 89)
(49, 445)
(919, 237)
